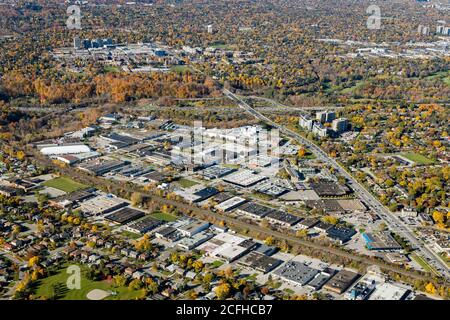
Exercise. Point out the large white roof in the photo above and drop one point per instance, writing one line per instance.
(60, 150)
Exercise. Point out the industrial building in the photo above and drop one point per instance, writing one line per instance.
(282, 218)
(230, 204)
(296, 273)
(101, 205)
(254, 210)
(341, 281)
(244, 178)
(65, 149)
(125, 215)
(259, 262)
(382, 241)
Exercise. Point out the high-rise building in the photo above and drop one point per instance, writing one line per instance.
(76, 43)
(306, 122)
(210, 28)
(325, 116)
(340, 125)
(440, 29)
(320, 130)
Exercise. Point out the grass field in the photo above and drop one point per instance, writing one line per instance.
(164, 216)
(216, 264)
(65, 184)
(417, 158)
(111, 69)
(47, 287)
(425, 265)
(181, 69)
(185, 183)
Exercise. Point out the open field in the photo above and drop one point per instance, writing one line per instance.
(65, 184)
(417, 158)
(55, 286)
(425, 265)
(186, 183)
(164, 216)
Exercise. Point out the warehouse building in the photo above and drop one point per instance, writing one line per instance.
(65, 149)
(382, 241)
(282, 218)
(259, 262)
(341, 281)
(124, 215)
(102, 204)
(296, 273)
(230, 204)
(144, 225)
(254, 210)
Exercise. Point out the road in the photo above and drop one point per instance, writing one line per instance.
(394, 223)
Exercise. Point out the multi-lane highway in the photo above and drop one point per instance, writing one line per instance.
(394, 223)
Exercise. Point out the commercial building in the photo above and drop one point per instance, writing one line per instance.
(65, 149)
(282, 218)
(125, 215)
(230, 204)
(72, 199)
(320, 279)
(244, 178)
(254, 210)
(99, 168)
(382, 241)
(329, 189)
(190, 227)
(144, 225)
(341, 234)
(341, 281)
(215, 172)
(390, 291)
(101, 205)
(296, 273)
(259, 262)
(308, 223)
(227, 246)
(191, 242)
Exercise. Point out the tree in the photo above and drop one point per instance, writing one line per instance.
(135, 284)
(33, 261)
(269, 241)
(136, 199)
(119, 281)
(430, 288)
(223, 291)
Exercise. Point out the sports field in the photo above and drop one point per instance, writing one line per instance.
(65, 184)
(417, 158)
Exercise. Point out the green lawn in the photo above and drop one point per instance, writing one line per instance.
(65, 184)
(417, 158)
(131, 235)
(186, 183)
(424, 264)
(164, 216)
(216, 264)
(112, 69)
(46, 287)
(181, 69)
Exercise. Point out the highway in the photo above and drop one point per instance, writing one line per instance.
(394, 223)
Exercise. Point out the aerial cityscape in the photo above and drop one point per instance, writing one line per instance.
(224, 150)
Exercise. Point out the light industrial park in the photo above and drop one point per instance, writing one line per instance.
(249, 152)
